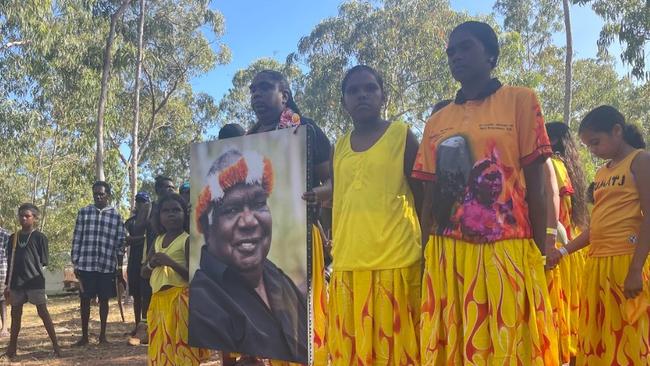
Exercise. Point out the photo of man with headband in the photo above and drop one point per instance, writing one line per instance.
(239, 300)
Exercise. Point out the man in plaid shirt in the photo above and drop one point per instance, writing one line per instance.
(97, 243)
(4, 246)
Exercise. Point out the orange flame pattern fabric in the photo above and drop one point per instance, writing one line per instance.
(485, 305)
(374, 316)
(167, 320)
(319, 300)
(613, 329)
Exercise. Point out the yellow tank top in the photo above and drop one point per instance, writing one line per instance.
(164, 275)
(616, 217)
(375, 225)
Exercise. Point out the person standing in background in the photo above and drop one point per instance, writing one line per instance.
(97, 242)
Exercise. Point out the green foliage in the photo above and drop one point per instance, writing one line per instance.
(51, 57)
(535, 21)
(404, 40)
(627, 21)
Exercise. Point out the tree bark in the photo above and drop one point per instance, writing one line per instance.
(37, 176)
(53, 156)
(135, 152)
(568, 63)
(103, 95)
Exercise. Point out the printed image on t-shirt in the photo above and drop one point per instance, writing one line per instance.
(475, 154)
(483, 212)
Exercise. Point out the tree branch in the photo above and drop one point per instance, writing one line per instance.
(152, 120)
(155, 111)
(8, 45)
(117, 147)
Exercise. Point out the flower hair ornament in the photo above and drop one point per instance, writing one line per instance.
(231, 168)
(288, 118)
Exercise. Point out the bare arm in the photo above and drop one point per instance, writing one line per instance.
(410, 151)
(574, 245)
(534, 174)
(146, 270)
(578, 243)
(634, 280)
(324, 192)
(553, 208)
(426, 215)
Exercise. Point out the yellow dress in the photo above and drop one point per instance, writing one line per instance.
(375, 286)
(613, 329)
(168, 312)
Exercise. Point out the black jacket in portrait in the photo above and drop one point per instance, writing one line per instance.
(226, 314)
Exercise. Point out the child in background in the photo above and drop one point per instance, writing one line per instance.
(167, 270)
(614, 309)
(27, 253)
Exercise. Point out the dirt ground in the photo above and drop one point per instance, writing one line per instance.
(35, 348)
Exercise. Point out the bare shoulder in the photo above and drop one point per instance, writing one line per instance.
(641, 162)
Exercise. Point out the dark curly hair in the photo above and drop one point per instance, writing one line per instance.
(565, 148)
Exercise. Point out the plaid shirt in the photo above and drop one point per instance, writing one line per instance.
(4, 244)
(98, 239)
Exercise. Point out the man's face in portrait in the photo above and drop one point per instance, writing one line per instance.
(240, 234)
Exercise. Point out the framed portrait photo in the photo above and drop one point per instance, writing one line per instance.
(249, 247)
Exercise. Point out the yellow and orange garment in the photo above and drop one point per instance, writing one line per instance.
(616, 218)
(167, 320)
(564, 281)
(168, 312)
(374, 292)
(485, 305)
(491, 140)
(485, 298)
(614, 330)
(318, 300)
(374, 316)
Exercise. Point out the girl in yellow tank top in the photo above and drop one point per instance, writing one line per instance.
(375, 285)
(167, 269)
(614, 308)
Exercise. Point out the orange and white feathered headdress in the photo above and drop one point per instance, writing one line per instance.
(230, 169)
